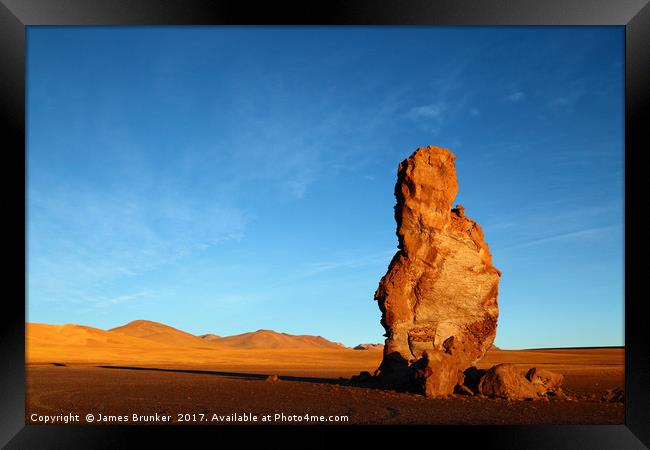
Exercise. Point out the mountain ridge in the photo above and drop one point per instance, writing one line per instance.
(156, 332)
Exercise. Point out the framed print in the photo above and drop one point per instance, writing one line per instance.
(366, 217)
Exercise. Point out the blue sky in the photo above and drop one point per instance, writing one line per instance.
(226, 179)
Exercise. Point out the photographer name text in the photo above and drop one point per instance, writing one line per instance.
(245, 417)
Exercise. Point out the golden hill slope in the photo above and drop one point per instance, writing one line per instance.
(163, 334)
(273, 339)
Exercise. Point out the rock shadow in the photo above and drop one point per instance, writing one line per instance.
(245, 376)
(371, 382)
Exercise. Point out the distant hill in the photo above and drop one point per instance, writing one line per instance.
(139, 332)
(164, 334)
(369, 347)
(77, 335)
(273, 339)
(210, 337)
(66, 343)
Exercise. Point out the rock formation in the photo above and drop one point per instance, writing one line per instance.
(439, 297)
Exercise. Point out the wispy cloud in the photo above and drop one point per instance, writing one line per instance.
(559, 102)
(82, 239)
(514, 97)
(432, 116)
(450, 97)
(349, 262)
(434, 111)
(94, 304)
(566, 101)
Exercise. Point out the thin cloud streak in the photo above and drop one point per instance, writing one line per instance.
(348, 263)
(586, 233)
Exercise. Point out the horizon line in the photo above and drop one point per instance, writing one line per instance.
(321, 336)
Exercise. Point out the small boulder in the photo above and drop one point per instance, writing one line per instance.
(441, 374)
(363, 377)
(505, 381)
(272, 379)
(613, 396)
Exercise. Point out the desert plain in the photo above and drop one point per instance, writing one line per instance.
(155, 372)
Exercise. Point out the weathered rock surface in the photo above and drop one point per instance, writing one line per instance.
(440, 292)
(506, 381)
(441, 374)
(545, 379)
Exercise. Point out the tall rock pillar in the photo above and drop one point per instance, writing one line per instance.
(439, 297)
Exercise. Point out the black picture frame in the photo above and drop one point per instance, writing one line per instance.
(15, 15)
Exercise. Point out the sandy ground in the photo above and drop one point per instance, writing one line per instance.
(212, 385)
